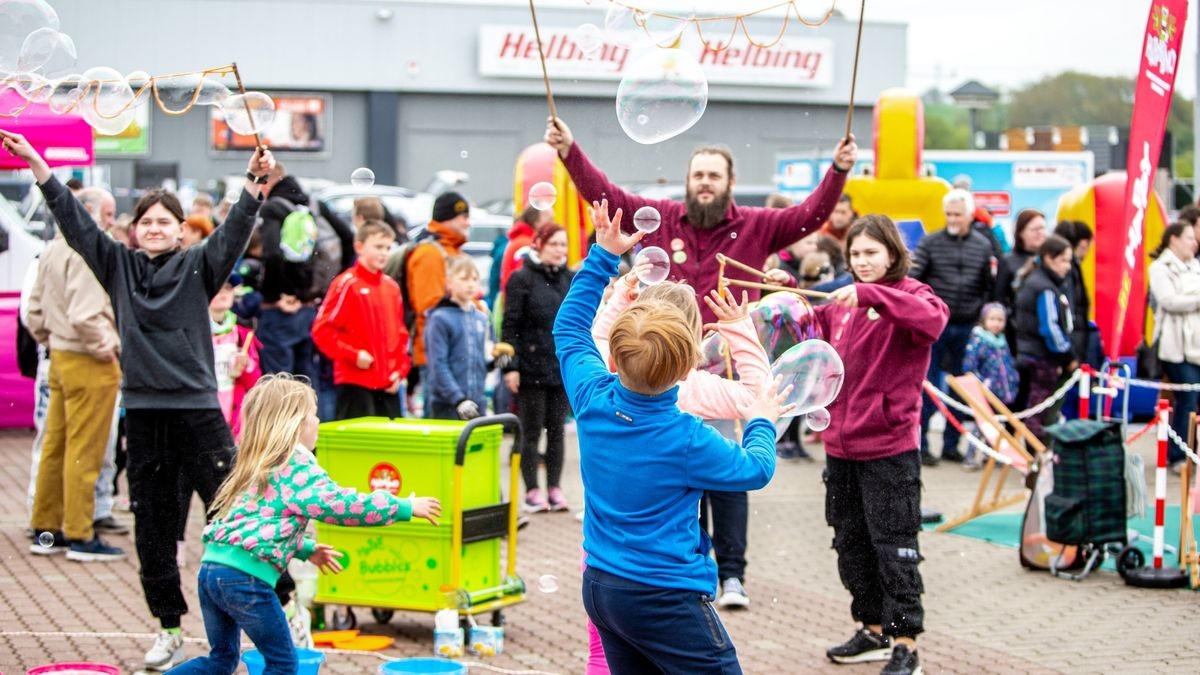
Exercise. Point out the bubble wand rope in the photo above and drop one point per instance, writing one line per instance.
(542, 55)
(250, 117)
(854, 73)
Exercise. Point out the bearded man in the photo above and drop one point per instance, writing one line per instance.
(709, 222)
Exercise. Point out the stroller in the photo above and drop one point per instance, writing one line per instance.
(1085, 512)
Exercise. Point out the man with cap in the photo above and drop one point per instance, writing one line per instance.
(426, 266)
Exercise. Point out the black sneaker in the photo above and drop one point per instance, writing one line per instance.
(903, 662)
(49, 543)
(928, 459)
(94, 551)
(865, 645)
(952, 455)
(110, 525)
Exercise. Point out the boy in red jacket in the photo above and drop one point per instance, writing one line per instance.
(361, 329)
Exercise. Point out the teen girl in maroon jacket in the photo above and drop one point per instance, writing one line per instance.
(882, 326)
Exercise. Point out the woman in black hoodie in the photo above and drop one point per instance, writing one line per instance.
(173, 420)
(531, 302)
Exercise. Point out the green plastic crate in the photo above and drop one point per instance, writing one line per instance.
(406, 565)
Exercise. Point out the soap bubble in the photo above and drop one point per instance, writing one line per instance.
(647, 219)
(212, 92)
(618, 23)
(47, 51)
(46, 539)
(177, 93)
(19, 18)
(260, 115)
(588, 38)
(66, 94)
(34, 88)
(107, 104)
(464, 154)
(661, 96)
(139, 82)
(814, 371)
(659, 265)
(818, 420)
(362, 177)
(542, 195)
(548, 583)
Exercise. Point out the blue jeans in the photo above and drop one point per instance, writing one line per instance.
(948, 351)
(1185, 403)
(287, 345)
(233, 601)
(646, 629)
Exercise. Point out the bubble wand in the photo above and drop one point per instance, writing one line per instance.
(724, 282)
(250, 116)
(854, 73)
(542, 55)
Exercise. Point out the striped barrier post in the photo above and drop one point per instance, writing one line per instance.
(1085, 390)
(1160, 481)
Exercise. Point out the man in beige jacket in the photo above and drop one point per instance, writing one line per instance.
(70, 313)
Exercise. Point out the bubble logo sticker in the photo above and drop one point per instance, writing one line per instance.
(384, 476)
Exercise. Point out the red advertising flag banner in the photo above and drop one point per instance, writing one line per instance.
(1152, 100)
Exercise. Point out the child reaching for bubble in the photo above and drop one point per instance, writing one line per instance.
(259, 518)
(645, 465)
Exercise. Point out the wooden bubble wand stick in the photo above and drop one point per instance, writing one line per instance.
(542, 55)
(249, 116)
(854, 73)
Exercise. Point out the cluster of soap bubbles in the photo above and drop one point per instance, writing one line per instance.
(38, 62)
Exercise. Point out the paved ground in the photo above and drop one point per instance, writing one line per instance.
(984, 613)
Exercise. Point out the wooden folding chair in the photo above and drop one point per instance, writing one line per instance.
(985, 405)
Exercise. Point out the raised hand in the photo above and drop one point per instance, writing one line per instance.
(558, 136)
(608, 231)
(428, 508)
(18, 146)
(768, 403)
(846, 153)
(726, 308)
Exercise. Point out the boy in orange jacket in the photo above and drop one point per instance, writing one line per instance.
(360, 327)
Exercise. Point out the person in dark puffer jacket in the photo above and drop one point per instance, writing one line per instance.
(531, 303)
(1044, 325)
(958, 263)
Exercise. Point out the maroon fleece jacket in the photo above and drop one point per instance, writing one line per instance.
(884, 344)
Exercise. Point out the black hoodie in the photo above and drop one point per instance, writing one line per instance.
(279, 275)
(161, 303)
(531, 302)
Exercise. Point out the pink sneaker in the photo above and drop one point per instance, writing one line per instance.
(535, 502)
(558, 502)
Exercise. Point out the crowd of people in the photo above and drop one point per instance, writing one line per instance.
(197, 351)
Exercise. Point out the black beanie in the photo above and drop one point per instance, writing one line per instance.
(448, 206)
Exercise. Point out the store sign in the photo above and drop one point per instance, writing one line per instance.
(511, 51)
(997, 202)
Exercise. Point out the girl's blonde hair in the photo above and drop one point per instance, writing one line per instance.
(271, 417)
(680, 295)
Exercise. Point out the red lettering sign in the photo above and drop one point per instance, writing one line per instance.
(384, 476)
(997, 203)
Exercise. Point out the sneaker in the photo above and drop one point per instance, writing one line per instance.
(110, 525)
(166, 653)
(904, 661)
(300, 621)
(94, 551)
(927, 459)
(865, 645)
(180, 554)
(733, 595)
(558, 501)
(49, 543)
(952, 455)
(535, 502)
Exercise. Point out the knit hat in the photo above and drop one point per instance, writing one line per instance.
(448, 206)
(991, 307)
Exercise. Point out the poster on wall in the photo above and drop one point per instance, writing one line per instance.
(301, 125)
(133, 142)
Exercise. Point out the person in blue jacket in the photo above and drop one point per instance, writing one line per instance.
(645, 465)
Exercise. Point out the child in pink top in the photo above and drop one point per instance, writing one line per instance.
(237, 366)
(703, 393)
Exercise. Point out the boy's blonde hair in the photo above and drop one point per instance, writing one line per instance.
(682, 296)
(271, 417)
(461, 264)
(653, 346)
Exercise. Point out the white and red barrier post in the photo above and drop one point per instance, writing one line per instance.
(1160, 480)
(1085, 390)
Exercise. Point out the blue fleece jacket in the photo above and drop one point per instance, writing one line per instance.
(645, 464)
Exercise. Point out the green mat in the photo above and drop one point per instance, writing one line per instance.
(1003, 528)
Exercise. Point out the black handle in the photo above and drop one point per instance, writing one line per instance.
(508, 420)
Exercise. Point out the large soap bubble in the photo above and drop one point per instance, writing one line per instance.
(33, 88)
(48, 52)
(19, 18)
(179, 92)
(814, 371)
(542, 195)
(647, 219)
(67, 94)
(107, 103)
(260, 115)
(652, 265)
(661, 96)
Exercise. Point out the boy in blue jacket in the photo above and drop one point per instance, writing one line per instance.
(649, 583)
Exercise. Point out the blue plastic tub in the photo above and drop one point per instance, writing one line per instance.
(422, 666)
(310, 661)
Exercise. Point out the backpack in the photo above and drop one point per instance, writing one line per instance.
(297, 233)
(397, 268)
(327, 252)
(27, 351)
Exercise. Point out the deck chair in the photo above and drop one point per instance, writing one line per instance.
(1006, 449)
